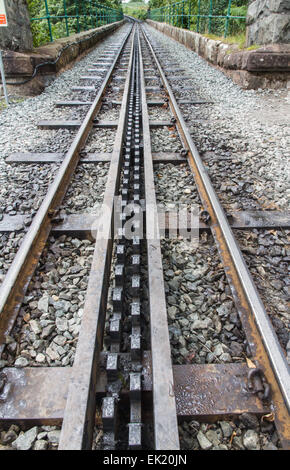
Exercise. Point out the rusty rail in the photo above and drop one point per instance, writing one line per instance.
(166, 386)
(261, 336)
(16, 281)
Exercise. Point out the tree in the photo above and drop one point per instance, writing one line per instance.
(81, 15)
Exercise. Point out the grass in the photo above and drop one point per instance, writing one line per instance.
(3, 105)
(237, 39)
(12, 100)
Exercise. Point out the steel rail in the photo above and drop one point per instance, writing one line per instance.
(164, 406)
(261, 336)
(17, 279)
(79, 415)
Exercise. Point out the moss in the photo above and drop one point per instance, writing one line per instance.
(238, 40)
(254, 46)
(14, 100)
(3, 105)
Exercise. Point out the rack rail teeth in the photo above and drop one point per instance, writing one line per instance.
(132, 371)
(127, 277)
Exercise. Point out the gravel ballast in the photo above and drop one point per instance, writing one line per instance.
(204, 326)
(246, 161)
(249, 127)
(19, 133)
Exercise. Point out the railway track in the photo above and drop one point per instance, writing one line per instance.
(126, 368)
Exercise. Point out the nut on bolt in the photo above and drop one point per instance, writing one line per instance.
(205, 217)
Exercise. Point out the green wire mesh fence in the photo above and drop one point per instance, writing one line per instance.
(64, 17)
(219, 17)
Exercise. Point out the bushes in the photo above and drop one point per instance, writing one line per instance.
(90, 16)
(203, 24)
(237, 25)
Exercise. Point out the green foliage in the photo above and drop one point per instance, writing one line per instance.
(91, 15)
(135, 8)
(236, 25)
(185, 15)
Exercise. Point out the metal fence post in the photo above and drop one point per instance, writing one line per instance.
(2, 72)
(227, 19)
(99, 14)
(85, 14)
(174, 13)
(182, 12)
(96, 16)
(198, 16)
(66, 21)
(91, 14)
(205, 19)
(77, 15)
(48, 21)
(210, 16)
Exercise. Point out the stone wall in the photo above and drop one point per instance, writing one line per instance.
(268, 22)
(17, 36)
(264, 67)
(20, 65)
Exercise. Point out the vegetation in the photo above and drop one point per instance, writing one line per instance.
(90, 16)
(238, 39)
(136, 8)
(204, 25)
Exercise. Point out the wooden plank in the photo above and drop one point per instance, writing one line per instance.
(36, 157)
(259, 219)
(161, 124)
(61, 104)
(197, 101)
(179, 77)
(106, 124)
(177, 87)
(149, 103)
(161, 103)
(152, 89)
(19, 157)
(96, 70)
(91, 77)
(104, 59)
(55, 124)
(81, 223)
(83, 88)
(58, 124)
(168, 157)
(28, 158)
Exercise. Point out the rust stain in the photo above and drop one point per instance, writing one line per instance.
(258, 351)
